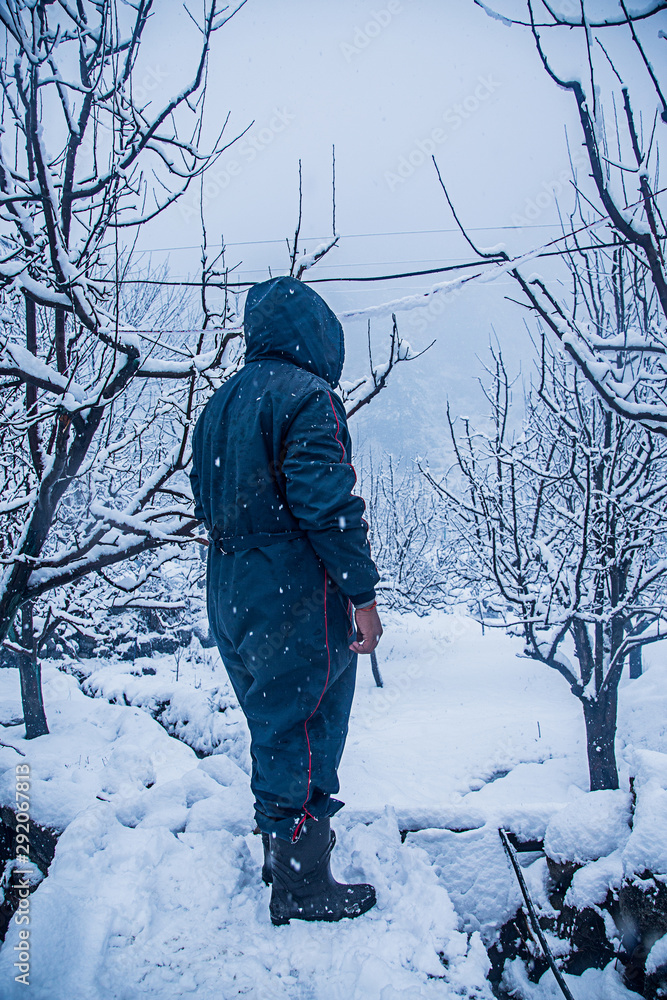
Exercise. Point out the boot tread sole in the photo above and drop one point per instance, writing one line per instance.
(363, 907)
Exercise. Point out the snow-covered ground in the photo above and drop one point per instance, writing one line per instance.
(154, 890)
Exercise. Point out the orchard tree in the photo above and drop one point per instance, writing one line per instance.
(620, 205)
(563, 530)
(85, 161)
(564, 523)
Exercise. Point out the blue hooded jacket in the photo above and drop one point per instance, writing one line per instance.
(271, 451)
(272, 479)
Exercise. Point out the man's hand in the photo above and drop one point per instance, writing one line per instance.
(369, 630)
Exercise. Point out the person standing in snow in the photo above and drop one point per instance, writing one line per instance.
(289, 576)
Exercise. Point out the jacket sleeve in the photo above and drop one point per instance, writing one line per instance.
(319, 480)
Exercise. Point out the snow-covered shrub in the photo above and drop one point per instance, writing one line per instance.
(408, 533)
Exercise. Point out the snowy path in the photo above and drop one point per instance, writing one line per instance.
(457, 710)
(146, 913)
(154, 890)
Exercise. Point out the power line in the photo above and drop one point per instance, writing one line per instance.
(358, 236)
(349, 278)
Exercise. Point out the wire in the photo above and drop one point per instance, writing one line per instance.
(452, 267)
(358, 236)
(355, 278)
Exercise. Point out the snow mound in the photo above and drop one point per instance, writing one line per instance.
(591, 827)
(94, 750)
(473, 868)
(208, 719)
(646, 848)
(152, 910)
(155, 888)
(591, 883)
(657, 956)
(591, 985)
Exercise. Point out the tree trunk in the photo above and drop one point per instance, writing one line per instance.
(30, 672)
(600, 717)
(636, 662)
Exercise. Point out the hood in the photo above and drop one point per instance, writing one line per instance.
(286, 319)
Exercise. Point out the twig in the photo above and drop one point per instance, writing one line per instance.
(511, 854)
(333, 190)
(295, 247)
(376, 670)
(10, 747)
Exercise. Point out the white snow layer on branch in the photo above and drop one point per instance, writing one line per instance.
(409, 302)
(309, 259)
(494, 14)
(37, 290)
(135, 524)
(113, 544)
(161, 366)
(23, 363)
(452, 287)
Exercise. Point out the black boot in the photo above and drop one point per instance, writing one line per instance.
(303, 886)
(267, 875)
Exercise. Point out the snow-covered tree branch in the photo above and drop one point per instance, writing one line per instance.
(620, 216)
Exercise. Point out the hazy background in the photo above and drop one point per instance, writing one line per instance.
(375, 79)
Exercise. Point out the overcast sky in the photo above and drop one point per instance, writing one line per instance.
(387, 83)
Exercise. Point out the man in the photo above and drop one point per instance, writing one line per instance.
(289, 575)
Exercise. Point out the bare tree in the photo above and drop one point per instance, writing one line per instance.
(83, 164)
(564, 524)
(359, 392)
(623, 210)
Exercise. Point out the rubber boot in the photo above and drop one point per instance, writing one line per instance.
(267, 875)
(303, 886)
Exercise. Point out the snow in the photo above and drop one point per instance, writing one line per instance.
(155, 879)
(406, 302)
(589, 828)
(307, 260)
(647, 845)
(88, 753)
(657, 957)
(591, 884)
(494, 14)
(29, 874)
(426, 705)
(177, 369)
(202, 927)
(591, 985)
(154, 890)
(473, 868)
(23, 363)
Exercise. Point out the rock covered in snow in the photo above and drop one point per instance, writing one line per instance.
(646, 849)
(656, 960)
(590, 827)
